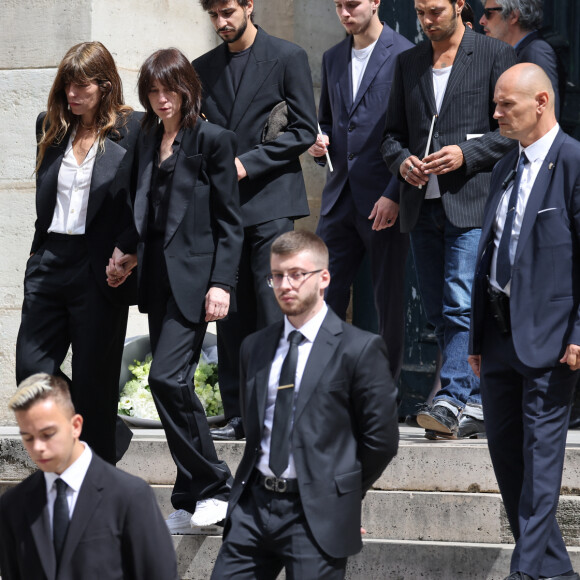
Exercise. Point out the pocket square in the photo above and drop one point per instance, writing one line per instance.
(547, 209)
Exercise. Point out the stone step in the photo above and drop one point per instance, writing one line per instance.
(383, 559)
(421, 465)
(438, 516)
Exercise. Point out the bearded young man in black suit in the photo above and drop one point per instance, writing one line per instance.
(319, 430)
(259, 87)
(78, 516)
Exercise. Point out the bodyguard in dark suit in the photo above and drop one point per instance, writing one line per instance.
(518, 23)
(525, 328)
(83, 217)
(260, 87)
(443, 90)
(319, 408)
(360, 201)
(77, 517)
(190, 234)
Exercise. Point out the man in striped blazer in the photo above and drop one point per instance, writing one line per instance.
(442, 142)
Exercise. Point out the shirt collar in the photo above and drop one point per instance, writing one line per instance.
(74, 474)
(311, 328)
(538, 150)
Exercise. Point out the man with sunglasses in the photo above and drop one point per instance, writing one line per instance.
(319, 408)
(518, 23)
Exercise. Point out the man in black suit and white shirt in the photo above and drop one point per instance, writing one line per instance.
(442, 142)
(319, 409)
(260, 87)
(77, 517)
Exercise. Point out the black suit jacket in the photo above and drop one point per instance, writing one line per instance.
(345, 425)
(533, 48)
(116, 531)
(467, 108)
(277, 71)
(109, 215)
(545, 286)
(203, 235)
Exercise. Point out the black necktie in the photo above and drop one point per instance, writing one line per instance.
(280, 441)
(503, 272)
(60, 518)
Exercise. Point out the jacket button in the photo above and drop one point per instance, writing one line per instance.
(436, 135)
(350, 156)
(350, 128)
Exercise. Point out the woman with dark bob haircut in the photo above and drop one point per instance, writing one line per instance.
(83, 217)
(190, 236)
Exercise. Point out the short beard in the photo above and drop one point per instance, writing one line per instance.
(239, 33)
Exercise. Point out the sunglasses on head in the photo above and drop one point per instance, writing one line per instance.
(489, 11)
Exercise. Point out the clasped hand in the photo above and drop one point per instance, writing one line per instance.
(120, 267)
(416, 171)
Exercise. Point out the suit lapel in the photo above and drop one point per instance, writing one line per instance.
(37, 513)
(88, 501)
(377, 60)
(538, 193)
(460, 65)
(257, 70)
(425, 61)
(184, 180)
(323, 351)
(47, 183)
(106, 165)
(145, 170)
(345, 79)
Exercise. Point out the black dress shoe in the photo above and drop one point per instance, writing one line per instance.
(569, 576)
(518, 576)
(233, 430)
(470, 427)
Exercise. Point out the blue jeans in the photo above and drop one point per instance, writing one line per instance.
(445, 258)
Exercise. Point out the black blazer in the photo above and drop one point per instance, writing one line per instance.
(545, 286)
(203, 236)
(116, 531)
(277, 71)
(345, 425)
(109, 216)
(467, 108)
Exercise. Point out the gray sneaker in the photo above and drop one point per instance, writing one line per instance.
(438, 418)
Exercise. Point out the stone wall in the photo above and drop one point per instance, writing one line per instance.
(35, 36)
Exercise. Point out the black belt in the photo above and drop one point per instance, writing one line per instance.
(65, 237)
(499, 306)
(276, 484)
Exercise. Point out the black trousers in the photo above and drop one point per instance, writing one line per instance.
(348, 236)
(256, 307)
(268, 531)
(176, 346)
(64, 307)
(526, 419)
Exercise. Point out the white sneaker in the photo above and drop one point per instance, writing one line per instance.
(208, 512)
(178, 522)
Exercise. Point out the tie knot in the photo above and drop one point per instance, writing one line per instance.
(295, 337)
(523, 160)
(61, 485)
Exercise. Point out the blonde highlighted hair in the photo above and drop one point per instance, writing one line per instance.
(40, 387)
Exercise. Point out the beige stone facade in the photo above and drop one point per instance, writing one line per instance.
(35, 36)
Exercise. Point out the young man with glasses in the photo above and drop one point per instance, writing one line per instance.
(319, 407)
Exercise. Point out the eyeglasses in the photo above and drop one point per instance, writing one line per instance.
(487, 12)
(295, 279)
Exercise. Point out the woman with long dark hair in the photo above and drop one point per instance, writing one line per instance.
(83, 216)
(190, 235)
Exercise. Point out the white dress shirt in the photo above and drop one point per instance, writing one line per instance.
(73, 476)
(72, 194)
(309, 331)
(536, 154)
